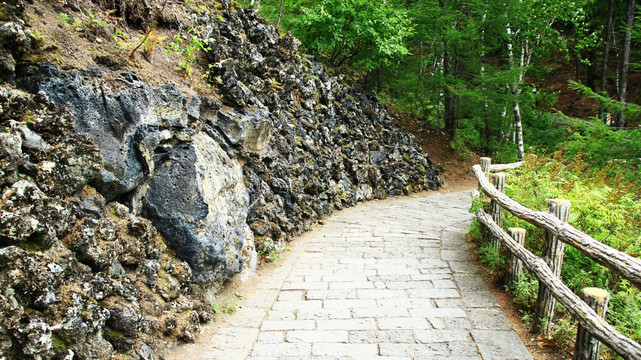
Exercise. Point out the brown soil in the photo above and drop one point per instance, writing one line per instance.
(455, 168)
(82, 43)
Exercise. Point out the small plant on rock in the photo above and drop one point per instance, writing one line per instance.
(188, 47)
(64, 18)
(230, 307)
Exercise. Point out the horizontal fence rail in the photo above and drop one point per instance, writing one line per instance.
(623, 264)
(503, 167)
(589, 313)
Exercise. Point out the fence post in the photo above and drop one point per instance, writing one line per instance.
(498, 180)
(553, 252)
(587, 347)
(485, 164)
(514, 265)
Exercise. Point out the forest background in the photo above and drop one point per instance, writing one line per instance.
(556, 79)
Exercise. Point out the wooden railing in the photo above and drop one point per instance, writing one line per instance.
(590, 310)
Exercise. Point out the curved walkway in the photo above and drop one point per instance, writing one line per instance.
(387, 279)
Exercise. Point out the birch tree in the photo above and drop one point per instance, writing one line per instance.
(625, 64)
(528, 27)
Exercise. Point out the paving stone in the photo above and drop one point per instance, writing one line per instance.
(409, 285)
(380, 294)
(469, 283)
(433, 293)
(349, 304)
(409, 350)
(351, 285)
(463, 348)
(456, 255)
(489, 319)
(448, 303)
(380, 312)
(438, 336)
(291, 295)
(298, 304)
(403, 323)
(350, 350)
(479, 299)
(345, 278)
(494, 345)
(284, 314)
(381, 336)
(271, 337)
(456, 323)
(314, 336)
(431, 277)
(346, 324)
(438, 312)
(331, 294)
(287, 325)
(319, 314)
(282, 349)
(303, 285)
(463, 267)
(443, 284)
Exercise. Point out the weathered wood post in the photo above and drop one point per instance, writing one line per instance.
(587, 347)
(553, 252)
(514, 266)
(498, 180)
(485, 164)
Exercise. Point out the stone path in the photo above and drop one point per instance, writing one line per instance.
(388, 280)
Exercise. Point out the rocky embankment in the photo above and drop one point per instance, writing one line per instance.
(125, 206)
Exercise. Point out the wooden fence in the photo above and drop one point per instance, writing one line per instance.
(590, 308)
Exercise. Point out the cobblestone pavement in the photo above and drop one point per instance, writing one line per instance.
(387, 279)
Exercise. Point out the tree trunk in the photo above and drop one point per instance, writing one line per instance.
(519, 126)
(592, 69)
(623, 86)
(450, 100)
(517, 107)
(516, 90)
(606, 54)
(608, 43)
(280, 13)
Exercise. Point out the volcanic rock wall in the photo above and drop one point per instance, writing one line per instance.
(122, 203)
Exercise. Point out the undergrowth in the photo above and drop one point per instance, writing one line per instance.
(600, 180)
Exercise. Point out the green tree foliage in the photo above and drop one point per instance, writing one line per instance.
(364, 34)
(472, 67)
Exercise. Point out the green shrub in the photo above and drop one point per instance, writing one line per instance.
(491, 257)
(525, 289)
(606, 207)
